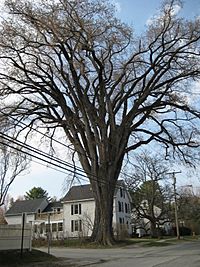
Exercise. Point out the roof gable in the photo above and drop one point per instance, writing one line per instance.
(28, 206)
(84, 192)
(80, 192)
(53, 205)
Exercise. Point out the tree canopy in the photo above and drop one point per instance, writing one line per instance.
(72, 65)
(36, 192)
(189, 209)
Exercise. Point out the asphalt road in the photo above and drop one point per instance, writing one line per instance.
(186, 254)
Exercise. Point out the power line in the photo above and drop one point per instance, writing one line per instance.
(43, 134)
(46, 161)
(59, 142)
(40, 163)
(41, 153)
(76, 170)
(37, 151)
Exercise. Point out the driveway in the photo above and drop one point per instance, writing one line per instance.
(184, 254)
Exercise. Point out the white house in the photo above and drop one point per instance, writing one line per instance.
(141, 224)
(79, 210)
(50, 220)
(45, 217)
(29, 207)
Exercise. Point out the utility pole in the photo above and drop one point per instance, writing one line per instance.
(49, 233)
(175, 203)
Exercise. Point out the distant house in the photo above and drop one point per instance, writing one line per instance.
(79, 210)
(50, 219)
(30, 207)
(142, 225)
(43, 216)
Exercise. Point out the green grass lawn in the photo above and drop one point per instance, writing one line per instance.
(147, 242)
(86, 243)
(165, 241)
(157, 244)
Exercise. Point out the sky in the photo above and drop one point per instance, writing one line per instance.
(137, 13)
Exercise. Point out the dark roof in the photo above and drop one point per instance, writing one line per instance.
(29, 206)
(81, 192)
(52, 205)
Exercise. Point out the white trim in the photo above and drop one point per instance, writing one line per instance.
(77, 200)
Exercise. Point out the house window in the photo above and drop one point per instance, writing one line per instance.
(126, 208)
(120, 220)
(56, 210)
(48, 228)
(119, 206)
(35, 228)
(122, 206)
(60, 226)
(54, 227)
(79, 208)
(72, 209)
(75, 209)
(72, 226)
(76, 226)
(127, 225)
(42, 227)
(121, 192)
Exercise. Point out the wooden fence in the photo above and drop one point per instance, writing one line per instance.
(15, 237)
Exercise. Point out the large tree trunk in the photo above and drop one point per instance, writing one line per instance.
(102, 232)
(153, 229)
(104, 191)
(103, 183)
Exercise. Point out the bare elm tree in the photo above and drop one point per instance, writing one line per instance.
(73, 65)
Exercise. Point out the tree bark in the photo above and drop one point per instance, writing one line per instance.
(103, 232)
(103, 183)
(104, 191)
(153, 230)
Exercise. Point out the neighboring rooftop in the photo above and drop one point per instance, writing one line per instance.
(53, 205)
(81, 192)
(29, 206)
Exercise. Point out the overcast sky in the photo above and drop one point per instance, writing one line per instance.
(138, 13)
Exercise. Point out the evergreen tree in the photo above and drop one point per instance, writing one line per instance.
(36, 192)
